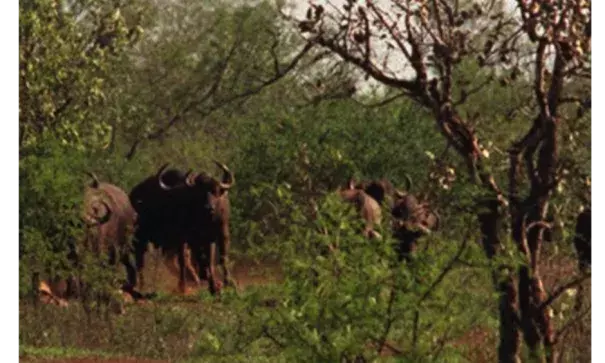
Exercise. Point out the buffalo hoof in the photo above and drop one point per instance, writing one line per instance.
(215, 289)
(129, 289)
(185, 291)
(150, 296)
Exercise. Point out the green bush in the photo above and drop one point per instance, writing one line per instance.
(342, 305)
(313, 150)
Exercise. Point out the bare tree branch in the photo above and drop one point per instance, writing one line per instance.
(558, 292)
(219, 103)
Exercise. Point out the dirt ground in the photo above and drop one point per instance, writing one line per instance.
(245, 272)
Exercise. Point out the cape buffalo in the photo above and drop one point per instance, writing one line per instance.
(367, 207)
(194, 209)
(411, 220)
(110, 221)
(156, 223)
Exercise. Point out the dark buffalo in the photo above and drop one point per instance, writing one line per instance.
(411, 220)
(193, 209)
(156, 224)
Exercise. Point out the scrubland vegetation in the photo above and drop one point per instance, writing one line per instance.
(484, 105)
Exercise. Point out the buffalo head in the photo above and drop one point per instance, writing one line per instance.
(147, 196)
(411, 220)
(408, 211)
(380, 189)
(170, 178)
(97, 210)
(203, 189)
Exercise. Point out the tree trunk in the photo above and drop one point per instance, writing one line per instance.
(490, 220)
(527, 217)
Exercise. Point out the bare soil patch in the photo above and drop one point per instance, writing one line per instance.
(246, 273)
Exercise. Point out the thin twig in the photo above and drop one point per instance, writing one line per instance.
(571, 322)
(558, 292)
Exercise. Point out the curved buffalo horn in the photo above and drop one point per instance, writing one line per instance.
(95, 181)
(161, 170)
(190, 178)
(351, 183)
(228, 175)
(162, 185)
(408, 179)
(159, 175)
(399, 193)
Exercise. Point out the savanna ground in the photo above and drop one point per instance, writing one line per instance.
(172, 327)
(295, 107)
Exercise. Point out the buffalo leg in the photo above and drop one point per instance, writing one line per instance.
(172, 263)
(202, 260)
(182, 268)
(131, 273)
(190, 268)
(205, 257)
(140, 250)
(223, 246)
(213, 283)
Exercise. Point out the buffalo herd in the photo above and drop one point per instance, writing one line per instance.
(186, 216)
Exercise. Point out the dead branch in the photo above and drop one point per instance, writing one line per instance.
(384, 102)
